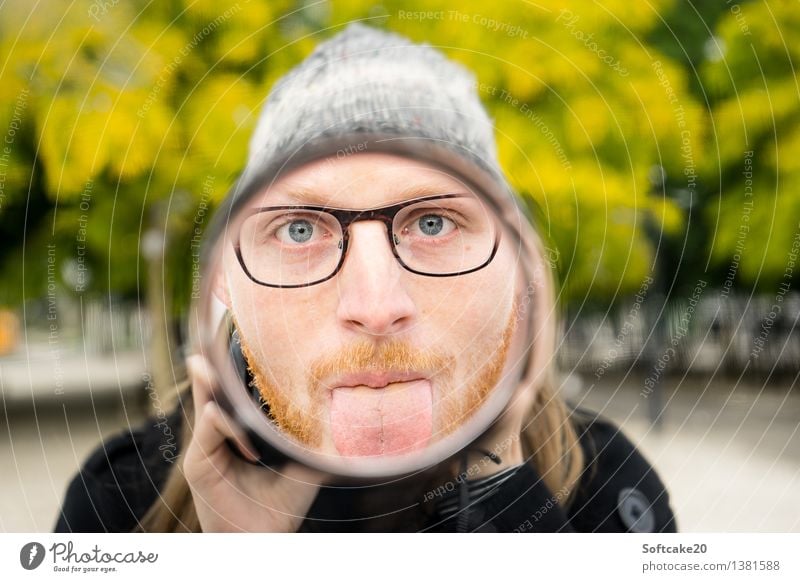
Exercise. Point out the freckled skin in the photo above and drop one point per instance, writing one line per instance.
(467, 321)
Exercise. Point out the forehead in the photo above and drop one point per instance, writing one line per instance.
(357, 181)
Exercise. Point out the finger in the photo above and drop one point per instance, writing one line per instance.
(203, 386)
(233, 431)
(302, 474)
(203, 380)
(213, 426)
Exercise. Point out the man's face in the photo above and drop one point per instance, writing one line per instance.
(376, 360)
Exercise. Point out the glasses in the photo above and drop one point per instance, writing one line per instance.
(298, 246)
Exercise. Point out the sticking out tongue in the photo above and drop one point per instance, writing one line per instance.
(382, 421)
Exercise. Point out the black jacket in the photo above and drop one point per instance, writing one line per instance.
(619, 491)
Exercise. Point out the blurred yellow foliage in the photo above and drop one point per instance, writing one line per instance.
(592, 119)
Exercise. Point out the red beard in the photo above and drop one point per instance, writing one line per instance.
(306, 422)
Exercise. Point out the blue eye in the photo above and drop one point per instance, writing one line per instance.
(300, 231)
(431, 224)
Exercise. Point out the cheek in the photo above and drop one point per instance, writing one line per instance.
(283, 327)
(472, 312)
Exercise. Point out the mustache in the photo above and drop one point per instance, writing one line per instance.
(366, 355)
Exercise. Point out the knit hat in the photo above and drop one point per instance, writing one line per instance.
(367, 82)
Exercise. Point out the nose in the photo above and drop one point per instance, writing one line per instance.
(372, 297)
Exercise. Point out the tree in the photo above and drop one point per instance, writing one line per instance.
(754, 97)
(619, 121)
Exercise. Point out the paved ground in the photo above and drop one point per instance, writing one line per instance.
(41, 451)
(57, 404)
(730, 455)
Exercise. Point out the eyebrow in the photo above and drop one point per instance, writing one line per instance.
(303, 195)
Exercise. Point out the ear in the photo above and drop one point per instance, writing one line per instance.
(219, 287)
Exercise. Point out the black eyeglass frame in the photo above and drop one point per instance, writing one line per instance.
(346, 217)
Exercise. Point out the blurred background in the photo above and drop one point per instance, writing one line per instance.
(658, 144)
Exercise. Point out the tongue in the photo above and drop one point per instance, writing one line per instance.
(382, 421)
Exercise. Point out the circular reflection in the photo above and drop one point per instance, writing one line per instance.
(365, 335)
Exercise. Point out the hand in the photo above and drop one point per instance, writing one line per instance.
(231, 494)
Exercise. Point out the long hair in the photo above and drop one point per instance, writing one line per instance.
(549, 438)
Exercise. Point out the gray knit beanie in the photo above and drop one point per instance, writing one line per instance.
(366, 82)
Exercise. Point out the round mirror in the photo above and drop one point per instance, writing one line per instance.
(361, 305)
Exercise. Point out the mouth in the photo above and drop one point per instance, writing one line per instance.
(381, 413)
(374, 379)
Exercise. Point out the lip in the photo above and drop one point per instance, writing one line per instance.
(374, 379)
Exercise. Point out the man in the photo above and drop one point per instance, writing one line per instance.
(377, 308)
